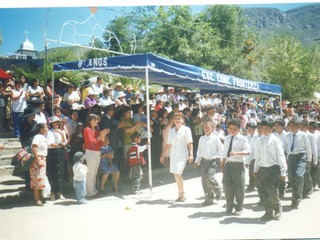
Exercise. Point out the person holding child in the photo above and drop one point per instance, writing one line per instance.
(80, 171)
(108, 166)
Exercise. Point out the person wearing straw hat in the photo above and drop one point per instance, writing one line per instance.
(117, 90)
(129, 93)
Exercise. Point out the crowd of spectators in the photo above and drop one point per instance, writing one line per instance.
(76, 114)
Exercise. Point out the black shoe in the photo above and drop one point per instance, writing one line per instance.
(207, 203)
(238, 212)
(250, 188)
(229, 210)
(294, 205)
(266, 217)
(218, 196)
(278, 213)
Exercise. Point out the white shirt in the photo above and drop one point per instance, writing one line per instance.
(313, 145)
(301, 144)
(239, 144)
(179, 142)
(98, 88)
(54, 137)
(40, 118)
(269, 152)
(210, 147)
(252, 142)
(42, 143)
(19, 104)
(79, 171)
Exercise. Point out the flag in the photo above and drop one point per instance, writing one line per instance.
(93, 10)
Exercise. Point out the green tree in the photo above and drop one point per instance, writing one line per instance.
(292, 66)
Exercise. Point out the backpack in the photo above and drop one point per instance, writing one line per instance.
(133, 158)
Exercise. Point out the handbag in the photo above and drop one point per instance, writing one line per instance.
(25, 157)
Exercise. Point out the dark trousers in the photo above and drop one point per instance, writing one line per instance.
(296, 170)
(252, 180)
(315, 175)
(210, 184)
(307, 184)
(234, 184)
(2, 118)
(269, 178)
(55, 169)
(136, 176)
(16, 123)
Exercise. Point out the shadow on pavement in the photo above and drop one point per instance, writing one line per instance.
(185, 205)
(13, 182)
(241, 220)
(207, 215)
(154, 202)
(67, 203)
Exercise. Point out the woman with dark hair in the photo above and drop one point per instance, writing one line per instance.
(35, 91)
(38, 166)
(93, 139)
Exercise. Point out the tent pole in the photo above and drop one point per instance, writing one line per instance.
(52, 97)
(149, 130)
(281, 113)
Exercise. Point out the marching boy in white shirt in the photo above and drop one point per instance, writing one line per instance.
(209, 155)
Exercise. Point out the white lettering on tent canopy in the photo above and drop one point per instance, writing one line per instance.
(246, 84)
(93, 63)
(229, 80)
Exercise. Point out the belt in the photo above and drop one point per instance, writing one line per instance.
(234, 162)
(214, 159)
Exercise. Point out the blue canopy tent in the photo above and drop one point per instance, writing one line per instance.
(160, 70)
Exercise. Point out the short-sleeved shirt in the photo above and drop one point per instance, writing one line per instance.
(42, 143)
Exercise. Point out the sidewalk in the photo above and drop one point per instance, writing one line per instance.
(12, 188)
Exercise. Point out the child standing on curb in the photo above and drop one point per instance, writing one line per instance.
(135, 160)
(80, 171)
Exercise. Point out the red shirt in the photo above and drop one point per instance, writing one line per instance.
(90, 139)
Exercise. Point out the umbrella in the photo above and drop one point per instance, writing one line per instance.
(5, 75)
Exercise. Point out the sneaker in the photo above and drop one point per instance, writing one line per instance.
(61, 197)
(52, 197)
(207, 203)
(82, 201)
(266, 217)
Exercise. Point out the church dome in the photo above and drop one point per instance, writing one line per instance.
(27, 45)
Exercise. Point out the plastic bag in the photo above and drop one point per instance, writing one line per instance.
(47, 189)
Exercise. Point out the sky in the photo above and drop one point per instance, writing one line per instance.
(36, 21)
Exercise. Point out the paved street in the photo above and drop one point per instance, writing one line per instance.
(156, 217)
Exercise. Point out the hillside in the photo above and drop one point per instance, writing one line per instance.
(303, 21)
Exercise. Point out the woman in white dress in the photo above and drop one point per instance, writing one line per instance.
(180, 145)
